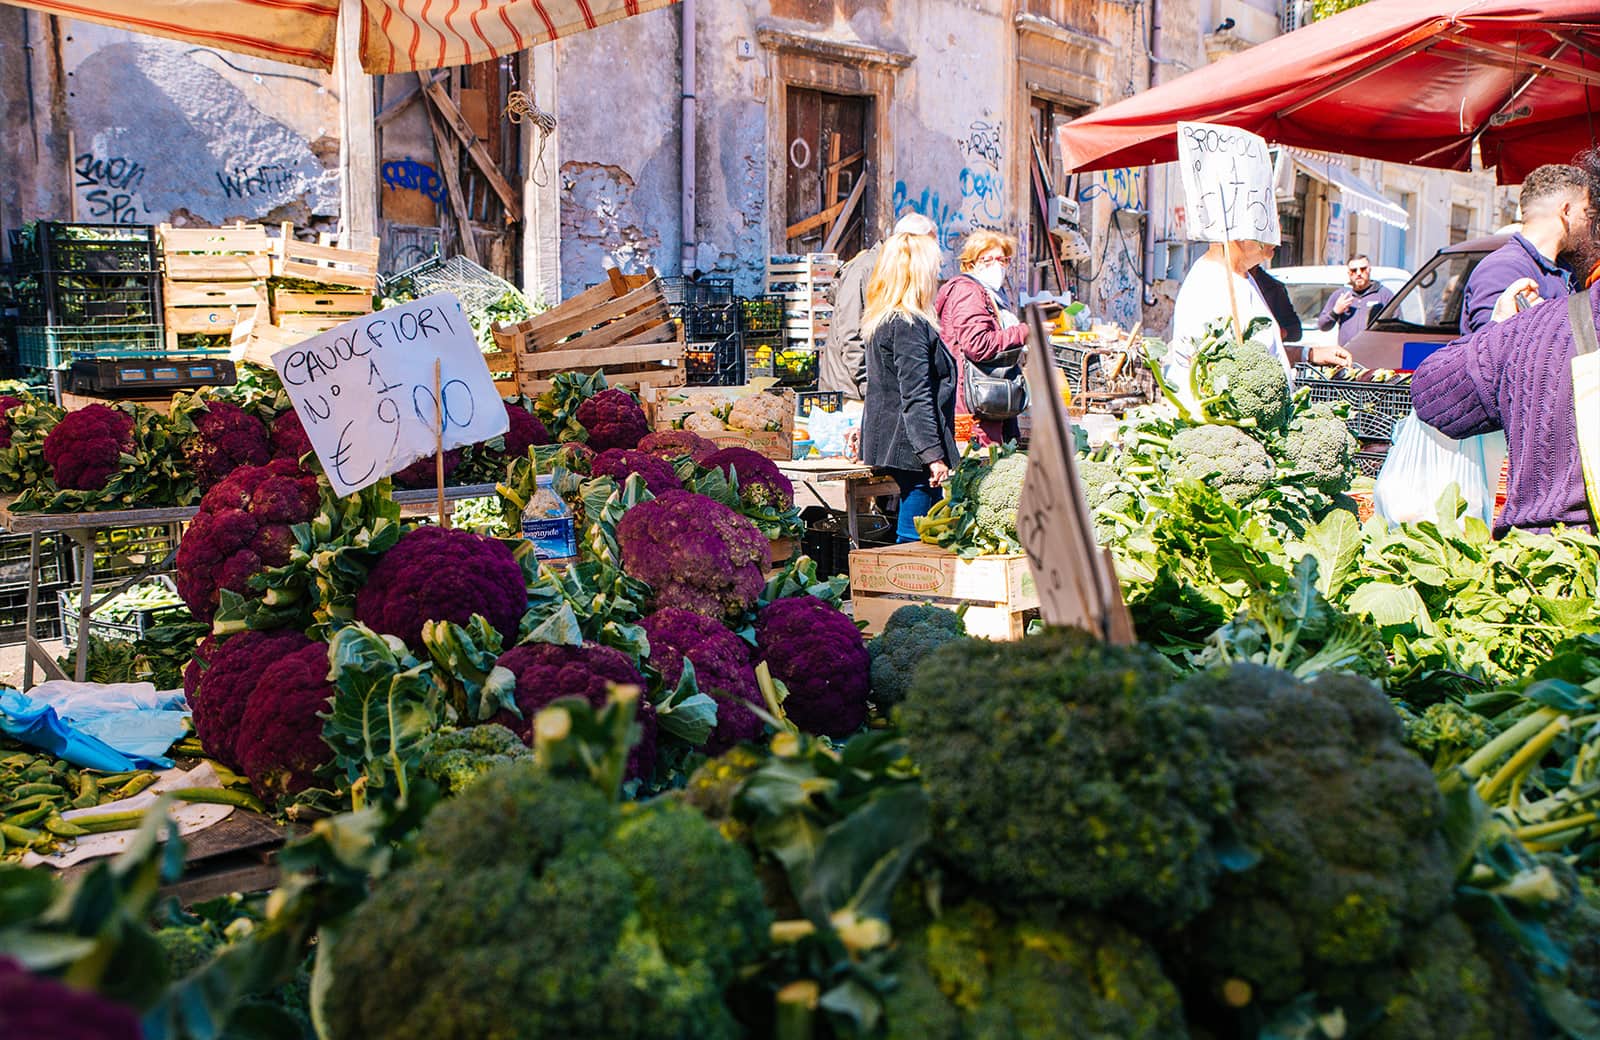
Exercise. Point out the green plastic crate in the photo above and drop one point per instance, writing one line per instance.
(57, 346)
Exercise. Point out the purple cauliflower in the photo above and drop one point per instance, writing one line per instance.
(280, 745)
(442, 574)
(546, 672)
(7, 402)
(526, 431)
(760, 482)
(225, 688)
(40, 1006)
(423, 473)
(225, 438)
(618, 463)
(85, 448)
(613, 419)
(674, 444)
(242, 528)
(288, 437)
(695, 553)
(722, 670)
(819, 654)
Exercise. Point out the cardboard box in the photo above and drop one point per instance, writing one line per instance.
(998, 591)
(670, 407)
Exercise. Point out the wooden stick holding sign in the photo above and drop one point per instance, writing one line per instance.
(1076, 580)
(438, 441)
(1233, 294)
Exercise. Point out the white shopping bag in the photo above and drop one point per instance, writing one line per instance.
(1422, 462)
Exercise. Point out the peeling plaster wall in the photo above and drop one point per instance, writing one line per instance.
(619, 149)
(148, 130)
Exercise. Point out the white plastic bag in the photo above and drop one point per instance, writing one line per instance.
(1422, 462)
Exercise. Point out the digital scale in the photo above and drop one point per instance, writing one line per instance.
(143, 375)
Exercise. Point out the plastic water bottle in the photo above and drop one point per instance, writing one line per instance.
(548, 524)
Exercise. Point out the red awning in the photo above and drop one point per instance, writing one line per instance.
(397, 35)
(1388, 80)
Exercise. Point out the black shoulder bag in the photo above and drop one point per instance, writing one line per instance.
(996, 389)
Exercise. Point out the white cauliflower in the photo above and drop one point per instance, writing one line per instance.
(758, 412)
(703, 422)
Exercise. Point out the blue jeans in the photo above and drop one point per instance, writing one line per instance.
(916, 498)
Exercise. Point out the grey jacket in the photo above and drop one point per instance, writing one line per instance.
(843, 365)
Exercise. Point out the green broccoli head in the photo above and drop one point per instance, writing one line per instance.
(535, 907)
(1343, 821)
(998, 491)
(972, 973)
(1240, 382)
(456, 759)
(1319, 445)
(1225, 457)
(1438, 987)
(910, 635)
(1445, 734)
(1063, 770)
(1108, 492)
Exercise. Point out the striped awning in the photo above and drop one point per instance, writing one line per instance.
(397, 35)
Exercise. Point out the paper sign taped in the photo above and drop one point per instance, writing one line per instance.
(1228, 182)
(365, 391)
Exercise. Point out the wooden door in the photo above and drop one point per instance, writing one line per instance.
(828, 193)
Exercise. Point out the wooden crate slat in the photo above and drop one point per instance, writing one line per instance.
(309, 272)
(563, 311)
(217, 321)
(241, 238)
(653, 317)
(634, 380)
(214, 294)
(620, 355)
(639, 300)
(310, 324)
(290, 302)
(202, 267)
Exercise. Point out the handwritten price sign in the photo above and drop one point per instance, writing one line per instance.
(1227, 184)
(365, 391)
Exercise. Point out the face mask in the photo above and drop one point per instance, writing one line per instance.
(991, 275)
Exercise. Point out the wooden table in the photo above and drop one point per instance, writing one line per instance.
(82, 528)
(855, 485)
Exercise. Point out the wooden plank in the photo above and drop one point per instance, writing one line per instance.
(358, 136)
(310, 324)
(572, 323)
(634, 380)
(204, 267)
(830, 192)
(813, 222)
(841, 222)
(447, 159)
(407, 97)
(239, 238)
(214, 321)
(611, 332)
(453, 118)
(213, 294)
(582, 303)
(621, 354)
(310, 272)
(286, 301)
(846, 162)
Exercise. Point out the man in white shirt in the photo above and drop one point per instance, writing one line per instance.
(1203, 298)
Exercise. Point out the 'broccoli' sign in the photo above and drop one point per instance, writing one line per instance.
(380, 392)
(1228, 181)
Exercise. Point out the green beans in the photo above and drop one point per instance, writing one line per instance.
(36, 789)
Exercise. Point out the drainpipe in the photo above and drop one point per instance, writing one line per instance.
(686, 260)
(1147, 276)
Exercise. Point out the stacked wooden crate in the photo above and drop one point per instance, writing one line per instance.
(345, 280)
(213, 278)
(621, 326)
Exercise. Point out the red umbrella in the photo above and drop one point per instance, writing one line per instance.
(1386, 80)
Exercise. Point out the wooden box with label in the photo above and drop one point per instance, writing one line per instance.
(998, 591)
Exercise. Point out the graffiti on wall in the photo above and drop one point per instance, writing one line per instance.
(951, 224)
(408, 174)
(241, 182)
(1123, 188)
(979, 198)
(107, 188)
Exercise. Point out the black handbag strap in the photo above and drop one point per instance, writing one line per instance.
(1580, 313)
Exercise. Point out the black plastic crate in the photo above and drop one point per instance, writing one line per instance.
(90, 300)
(709, 321)
(714, 362)
(791, 366)
(51, 245)
(808, 401)
(14, 572)
(1375, 408)
(1370, 462)
(696, 292)
(14, 614)
(762, 313)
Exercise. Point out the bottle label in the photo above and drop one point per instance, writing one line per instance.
(553, 538)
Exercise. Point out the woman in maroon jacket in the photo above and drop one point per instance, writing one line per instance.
(972, 323)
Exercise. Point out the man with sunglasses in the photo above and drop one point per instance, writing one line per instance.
(1350, 308)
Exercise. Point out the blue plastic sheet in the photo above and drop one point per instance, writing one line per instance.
(110, 727)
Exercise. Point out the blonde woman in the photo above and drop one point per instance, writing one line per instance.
(976, 321)
(909, 419)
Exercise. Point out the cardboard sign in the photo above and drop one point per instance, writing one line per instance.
(1228, 182)
(1076, 582)
(365, 391)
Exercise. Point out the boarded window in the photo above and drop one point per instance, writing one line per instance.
(827, 188)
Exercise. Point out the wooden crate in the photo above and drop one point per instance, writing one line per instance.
(213, 278)
(625, 332)
(668, 408)
(998, 591)
(325, 262)
(312, 312)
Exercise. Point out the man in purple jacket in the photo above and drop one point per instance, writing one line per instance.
(1555, 204)
(1517, 376)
